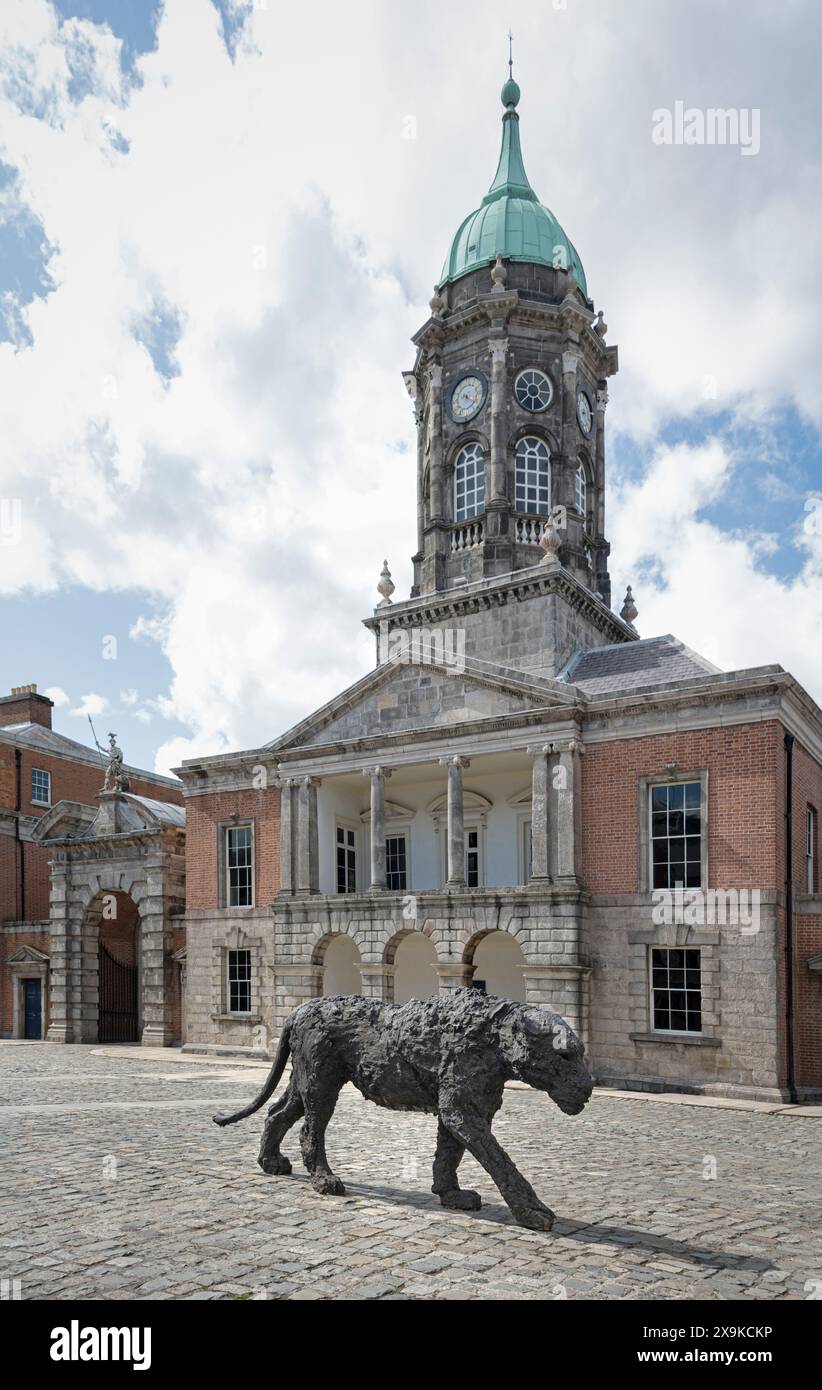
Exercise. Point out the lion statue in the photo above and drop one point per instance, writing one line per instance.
(449, 1056)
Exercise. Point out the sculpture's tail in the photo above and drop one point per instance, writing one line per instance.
(272, 1081)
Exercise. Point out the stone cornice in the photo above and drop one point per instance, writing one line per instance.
(515, 308)
(535, 581)
(431, 902)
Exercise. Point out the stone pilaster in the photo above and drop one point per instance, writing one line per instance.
(378, 776)
(568, 797)
(377, 982)
(307, 875)
(540, 821)
(456, 821)
(293, 985)
(61, 1027)
(287, 827)
(563, 989)
(497, 493)
(435, 441)
(454, 976)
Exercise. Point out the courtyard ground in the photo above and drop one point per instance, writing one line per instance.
(114, 1183)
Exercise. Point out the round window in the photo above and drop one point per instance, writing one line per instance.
(533, 389)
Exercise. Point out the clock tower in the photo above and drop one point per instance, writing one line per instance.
(509, 390)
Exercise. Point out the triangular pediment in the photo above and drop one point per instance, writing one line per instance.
(403, 697)
(28, 955)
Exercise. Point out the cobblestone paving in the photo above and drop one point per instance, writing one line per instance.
(115, 1184)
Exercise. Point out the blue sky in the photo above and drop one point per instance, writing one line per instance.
(219, 226)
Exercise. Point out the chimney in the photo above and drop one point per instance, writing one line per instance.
(25, 706)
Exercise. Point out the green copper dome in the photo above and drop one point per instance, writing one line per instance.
(510, 221)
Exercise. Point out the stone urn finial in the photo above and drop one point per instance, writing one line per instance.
(600, 327)
(550, 540)
(629, 611)
(499, 275)
(437, 303)
(386, 586)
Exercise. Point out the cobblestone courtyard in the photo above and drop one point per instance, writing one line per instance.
(116, 1184)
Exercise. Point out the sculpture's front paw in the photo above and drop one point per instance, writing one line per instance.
(461, 1199)
(278, 1165)
(328, 1185)
(538, 1218)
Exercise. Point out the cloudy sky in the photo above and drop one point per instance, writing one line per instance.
(220, 222)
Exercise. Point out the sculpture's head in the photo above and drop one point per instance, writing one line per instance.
(546, 1053)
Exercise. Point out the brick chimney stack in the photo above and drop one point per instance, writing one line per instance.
(25, 706)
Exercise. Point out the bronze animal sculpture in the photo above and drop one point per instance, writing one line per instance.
(449, 1056)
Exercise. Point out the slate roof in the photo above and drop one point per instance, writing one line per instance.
(629, 665)
(163, 810)
(39, 738)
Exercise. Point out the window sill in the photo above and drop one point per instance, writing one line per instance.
(237, 1018)
(44, 805)
(690, 1039)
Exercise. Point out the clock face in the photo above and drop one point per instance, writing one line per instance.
(467, 397)
(584, 413)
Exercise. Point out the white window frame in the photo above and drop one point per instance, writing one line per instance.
(393, 832)
(581, 490)
(532, 472)
(40, 772)
(473, 483)
(474, 824)
(810, 849)
(236, 951)
(675, 1032)
(525, 848)
(227, 830)
(351, 828)
(655, 784)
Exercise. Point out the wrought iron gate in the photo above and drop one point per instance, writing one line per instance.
(118, 1000)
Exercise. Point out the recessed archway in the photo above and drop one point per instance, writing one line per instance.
(415, 960)
(111, 932)
(341, 966)
(498, 961)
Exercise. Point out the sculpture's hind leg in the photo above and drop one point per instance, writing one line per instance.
(446, 1161)
(319, 1107)
(282, 1115)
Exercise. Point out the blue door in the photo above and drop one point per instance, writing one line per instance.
(34, 1006)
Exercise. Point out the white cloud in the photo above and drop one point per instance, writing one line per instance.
(708, 586)
(57, 695)
(274, 207)
(90, 704)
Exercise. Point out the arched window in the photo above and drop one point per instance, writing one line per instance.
(533, 476)
(469, 482)
(581, 490)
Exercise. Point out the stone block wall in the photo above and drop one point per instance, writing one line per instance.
(740, 1050)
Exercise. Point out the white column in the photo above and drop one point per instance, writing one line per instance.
(378, 776)
(456, 821)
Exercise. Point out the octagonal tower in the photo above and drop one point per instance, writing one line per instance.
(509, 390)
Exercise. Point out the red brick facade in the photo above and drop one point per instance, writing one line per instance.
(75, 775)
(206, 816)
(745, 809)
